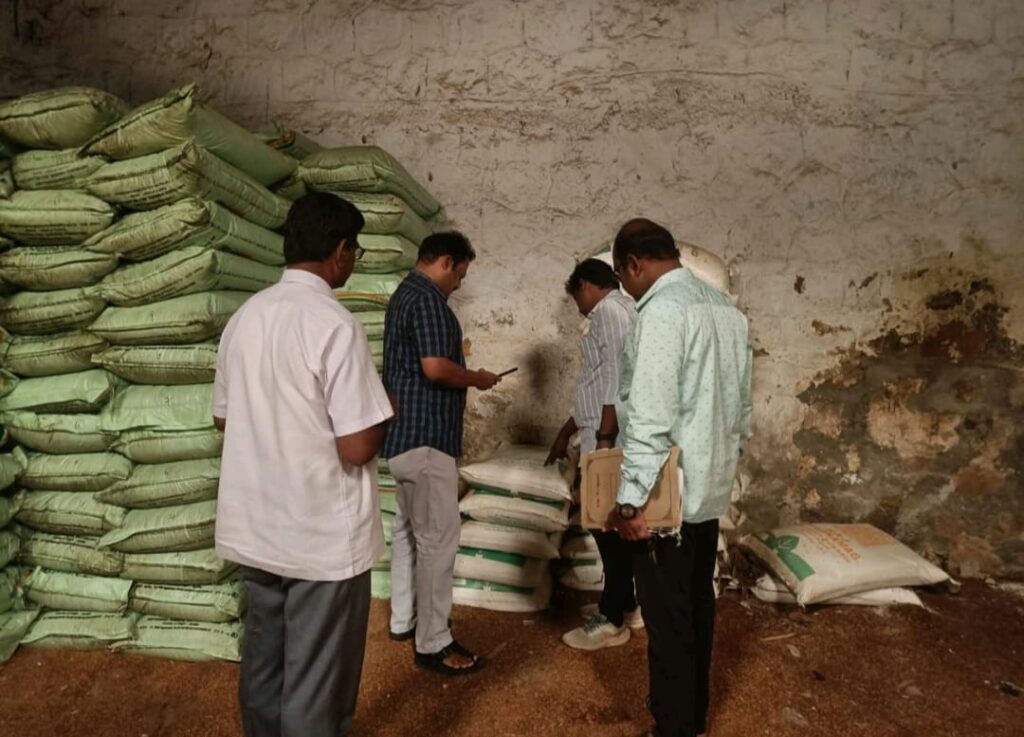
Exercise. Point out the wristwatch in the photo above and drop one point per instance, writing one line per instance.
(610, 436)
(626, 511)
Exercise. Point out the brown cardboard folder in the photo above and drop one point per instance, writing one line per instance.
(600, 472)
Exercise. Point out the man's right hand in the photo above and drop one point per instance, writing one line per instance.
(485, 380)
(559, 448)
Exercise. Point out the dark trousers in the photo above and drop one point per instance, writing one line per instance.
(302, 656)
(675, 587)
(618, 596)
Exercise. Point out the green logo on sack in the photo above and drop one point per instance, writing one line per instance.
(783, 546)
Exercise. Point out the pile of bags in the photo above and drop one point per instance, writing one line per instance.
(824, 563)
(516, 512)
(134, 236)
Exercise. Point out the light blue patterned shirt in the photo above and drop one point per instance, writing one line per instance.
(686, 382)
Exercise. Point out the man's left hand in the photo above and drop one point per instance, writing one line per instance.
(630, 529)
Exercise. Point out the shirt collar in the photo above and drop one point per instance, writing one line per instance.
(672, 277)
(306, 278)
(424, 280)
(612, 296)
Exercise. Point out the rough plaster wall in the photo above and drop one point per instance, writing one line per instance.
(859, 164)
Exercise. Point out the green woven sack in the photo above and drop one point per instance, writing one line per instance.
(70, 553)
(10, 590)
(51, 355)
(178, 117)
(13, 626)
(161, 364)
(290, 142)
(386, 214)
(190, 567)
(64, 169)
(7, 186)
(218, 602)
(59, 433)
(373, 323)
(79, 630)
(189, 222)
(165, 408)
(380, 584)
(85, 391)
(75, 471)
(164, 530)
(165, 485)
(384, 254)
(12, 466)
(367, 169)
(186, 171)
(181, 640)
(158, 446)
(77, 592)
(368, 292)
(46, 268)
(185, 271)
(53, 217)
(64, 117)
(68, 513)
(189, 319)
(10, 505)
(10, 544)
(46, 313)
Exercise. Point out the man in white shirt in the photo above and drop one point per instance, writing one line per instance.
(303, 412)
(610, 313)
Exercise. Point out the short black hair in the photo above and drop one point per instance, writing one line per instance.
(594, 271)
(644, 238)
(316, 223)
(449, 243)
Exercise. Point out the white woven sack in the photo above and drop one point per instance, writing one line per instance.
(543, 515)
(819, 562)
(520, 469)
(499, 567)
(775, 592)
(510, 539)
(499, 597)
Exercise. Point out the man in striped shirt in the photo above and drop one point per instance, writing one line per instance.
(595, 289)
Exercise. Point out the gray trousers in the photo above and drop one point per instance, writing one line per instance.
(302, 656)
(423, 545)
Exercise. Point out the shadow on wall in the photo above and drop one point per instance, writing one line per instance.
(545, 378)
(919, 432)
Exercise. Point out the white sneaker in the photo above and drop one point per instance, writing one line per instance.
(634, 619)
(595, 634)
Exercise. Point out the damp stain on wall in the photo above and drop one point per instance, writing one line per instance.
(918, 431)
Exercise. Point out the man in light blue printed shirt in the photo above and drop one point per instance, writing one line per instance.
(686, 382)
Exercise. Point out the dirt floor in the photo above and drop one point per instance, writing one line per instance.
(949, 670)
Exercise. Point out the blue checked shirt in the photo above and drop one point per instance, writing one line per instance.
(420, 324)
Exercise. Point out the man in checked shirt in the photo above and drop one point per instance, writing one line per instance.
(595, 289)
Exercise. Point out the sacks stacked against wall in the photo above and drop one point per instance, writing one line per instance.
(137, 235)
(397, 210)
(516, 512)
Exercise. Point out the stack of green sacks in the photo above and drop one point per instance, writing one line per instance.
(137, 234)
(580, 567)
(15, 617)
(399, 213)
(517, 510)
(380, 576)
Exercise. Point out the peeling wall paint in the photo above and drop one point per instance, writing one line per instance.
(858, 164)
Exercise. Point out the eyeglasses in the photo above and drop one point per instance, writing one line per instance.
(359, 253)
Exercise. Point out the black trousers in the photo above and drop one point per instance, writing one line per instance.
(302, 656)
(619, 595)
(676, 590)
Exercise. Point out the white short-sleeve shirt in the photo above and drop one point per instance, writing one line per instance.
(293, 373)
